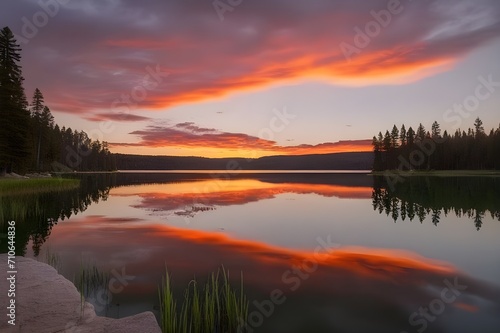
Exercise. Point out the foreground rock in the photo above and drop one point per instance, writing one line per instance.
(47, 302)
(14, 176)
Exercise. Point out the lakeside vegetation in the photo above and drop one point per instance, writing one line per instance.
(36, 213)
(9, 186)
(93, 285)
(218, 307)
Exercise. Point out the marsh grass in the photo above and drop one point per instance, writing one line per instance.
(36, 185)
(90, 281)
(52, 259)
(215, 308)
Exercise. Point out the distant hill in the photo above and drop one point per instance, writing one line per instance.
(338, 161)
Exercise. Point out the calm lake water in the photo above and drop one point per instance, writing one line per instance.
(348, 252)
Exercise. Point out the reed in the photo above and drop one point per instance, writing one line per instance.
(52, 259)
(216, 308)
(90, 281)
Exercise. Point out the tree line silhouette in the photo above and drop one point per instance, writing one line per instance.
(407, 149)
(29, 139)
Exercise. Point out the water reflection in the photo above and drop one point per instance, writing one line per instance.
(473, 197)
(187, 195)
(369, 284)
(36, 214)
(188, 199)
(333, 289)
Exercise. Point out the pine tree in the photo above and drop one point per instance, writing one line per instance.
(410, 136)
(386, 143)
(402, 135)
(420, 133)
(394, 137)
(377, 147)
(478, 125)
(14, 116)
(436, 130)
(37, 106)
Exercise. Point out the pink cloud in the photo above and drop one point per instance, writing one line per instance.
(190, 135)
(260, 43)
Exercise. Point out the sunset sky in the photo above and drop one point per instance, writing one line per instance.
(258, 77)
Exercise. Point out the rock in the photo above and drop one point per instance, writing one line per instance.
(46, 302)
(15, 175)
(38, 175)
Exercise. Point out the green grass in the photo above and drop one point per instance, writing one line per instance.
(217, 307)
(36, 185)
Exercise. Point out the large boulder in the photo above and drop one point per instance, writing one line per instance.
(46, 302)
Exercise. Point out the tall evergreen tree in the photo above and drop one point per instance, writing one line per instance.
(394, 137)
(478, 125)
(14, 116)
(436, 130)
(377, 147)
(386, 143)
(410, 136)
(37, 106)
(420, 133)
(402, 135)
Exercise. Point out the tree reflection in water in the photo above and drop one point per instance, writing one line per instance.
(420, 197)
(35, 214)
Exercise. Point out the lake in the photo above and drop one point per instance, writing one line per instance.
(318, 252)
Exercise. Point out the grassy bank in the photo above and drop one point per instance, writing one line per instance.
(10, 186)
(441, 173)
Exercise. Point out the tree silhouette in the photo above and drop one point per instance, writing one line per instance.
(14, 116)
(31, 140)
(464, 150)
(37, 107)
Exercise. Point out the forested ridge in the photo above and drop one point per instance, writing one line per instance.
(334, 161)
(30, 140)
(407, 149)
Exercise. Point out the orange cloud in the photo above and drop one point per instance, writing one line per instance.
(188, 135)
(212, 193)
(320, 282)
(267, 43)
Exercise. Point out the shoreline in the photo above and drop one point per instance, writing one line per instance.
(439, 173)
(19, 186)
(46, 301)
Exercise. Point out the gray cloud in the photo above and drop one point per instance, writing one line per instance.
(92, 52)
